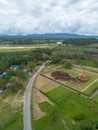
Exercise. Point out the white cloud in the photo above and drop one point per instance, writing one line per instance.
(41, 16)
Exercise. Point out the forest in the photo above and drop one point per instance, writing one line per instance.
(29, 40)
(80, 55)
(60, 55)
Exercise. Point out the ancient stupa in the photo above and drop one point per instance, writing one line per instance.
(83, 77)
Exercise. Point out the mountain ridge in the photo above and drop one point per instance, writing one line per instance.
(50, 35)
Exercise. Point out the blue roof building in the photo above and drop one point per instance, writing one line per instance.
(3, 74)
(1, 91)
(15, 67)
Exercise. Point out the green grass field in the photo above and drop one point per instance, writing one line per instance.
(50, 67)
(15, 48)
(68, 107)
(15, 125)
(94, 86)
(96, 98)
(9, 110)
(58, 95)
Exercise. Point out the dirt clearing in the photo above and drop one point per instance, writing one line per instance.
(44, 84)
(38, 97)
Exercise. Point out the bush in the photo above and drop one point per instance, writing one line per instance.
(96, 123)
(68, 65)
(17, 87)
(85, 125)
(79, 117)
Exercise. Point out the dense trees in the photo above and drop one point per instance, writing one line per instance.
(31, 65)
(87, 125)
(68, 64)
(8, 59)
(80, 41)
(57, 55)
(77, 55)
(65, 55)
(42, 54)
(26, 40)
(29, 40)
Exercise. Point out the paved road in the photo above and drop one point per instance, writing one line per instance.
(27, 102)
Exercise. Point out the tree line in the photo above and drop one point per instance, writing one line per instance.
(80, 41)
(76, 55)
(7, 59)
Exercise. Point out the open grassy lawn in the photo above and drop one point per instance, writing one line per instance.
(18, 48)
(96, 98)
(48, 123)
(93, 86)
(45, 107)
(50, 67)
(69, 107)
(15, 125)
(59, 94)
(48, 87)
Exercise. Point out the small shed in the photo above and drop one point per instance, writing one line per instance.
(15, 67)
(1, 91)
(3, 74)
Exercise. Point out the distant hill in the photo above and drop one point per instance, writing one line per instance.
(51, 35)
(61, 35)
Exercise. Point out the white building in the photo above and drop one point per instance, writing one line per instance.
(59, 43)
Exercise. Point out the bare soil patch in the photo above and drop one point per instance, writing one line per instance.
(44, 84)
(38, 97)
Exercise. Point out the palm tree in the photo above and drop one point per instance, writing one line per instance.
(31, 65)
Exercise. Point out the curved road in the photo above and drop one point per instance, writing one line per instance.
(27, 102)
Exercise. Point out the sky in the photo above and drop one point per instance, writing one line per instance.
(49, 16)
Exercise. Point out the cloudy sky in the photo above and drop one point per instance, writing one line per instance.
(49, 16)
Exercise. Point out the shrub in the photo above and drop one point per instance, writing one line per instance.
(79, 117)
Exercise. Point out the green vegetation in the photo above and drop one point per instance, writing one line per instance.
(26, 41)
(48, 123)
(70, 110)
(15, 125)
(31, 65)
(87, 125)
(88, 62)
(23, 57)
(10, 58)
(68, 65)
(96, 98)
(10, 110)
(92, 87)
(70, 107)
(74, 73)
(11, 99)
(50, 67)
(76, 55)
(58, 95)
(45, 107)
(80, 41)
